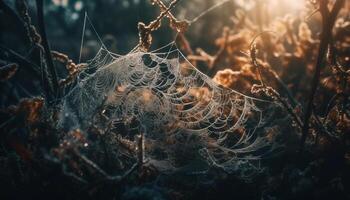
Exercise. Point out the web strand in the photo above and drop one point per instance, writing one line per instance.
(82, 37)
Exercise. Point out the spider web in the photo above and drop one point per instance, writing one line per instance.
(163, 96)
(176, 108)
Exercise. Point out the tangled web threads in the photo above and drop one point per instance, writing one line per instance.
(175, 106)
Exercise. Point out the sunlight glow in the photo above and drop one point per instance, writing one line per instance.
(285, 6)
(274, 6)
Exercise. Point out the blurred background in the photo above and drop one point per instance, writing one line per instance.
(116, 22)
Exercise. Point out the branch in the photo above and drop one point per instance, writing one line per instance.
(328, 20)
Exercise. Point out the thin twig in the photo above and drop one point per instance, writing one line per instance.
(22, 61)
(12, 14)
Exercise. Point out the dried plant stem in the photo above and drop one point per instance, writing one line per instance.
(328, 20)
(269, 90)
(145, 31)
(47, 51)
